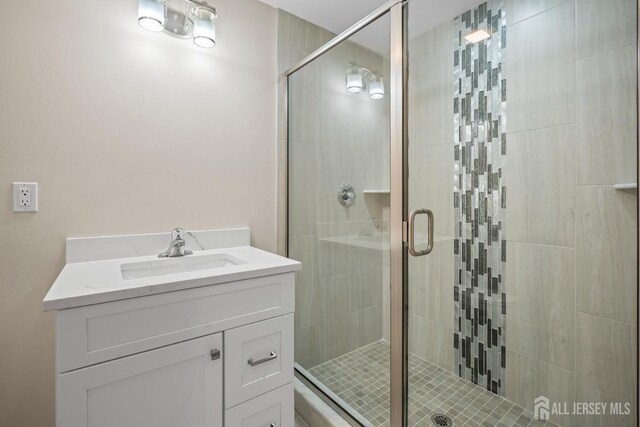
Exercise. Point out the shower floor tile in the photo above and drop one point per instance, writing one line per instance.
(361, 379)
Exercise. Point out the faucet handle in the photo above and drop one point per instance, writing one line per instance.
(177, 233)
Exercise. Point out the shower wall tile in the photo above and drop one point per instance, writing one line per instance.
(305, 250)
(607, 268)
(519, 10)
(333, 259)
(601, 26)
(282, 246)
(606, 368)
(540, 301)
(431, 341)
(385, 272)
(539, 70)
(431, 287)
(302, 126)
(430, 102)
(428, 167)
(541, 174)
(365, 327)
(366, 281)
(297, 38)
(336, 316)
(282, 195)
(302, 218)
(480, 198)
(606, 115)
(306, 345)
(528, 378)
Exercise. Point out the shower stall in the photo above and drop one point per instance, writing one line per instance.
(459, 181)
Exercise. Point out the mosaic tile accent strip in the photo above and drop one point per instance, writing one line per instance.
(480, 197)
(361, 378)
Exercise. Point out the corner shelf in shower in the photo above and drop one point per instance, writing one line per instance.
(626, 186)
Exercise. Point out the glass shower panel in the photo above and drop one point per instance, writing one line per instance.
(338, 220)
(522, 143)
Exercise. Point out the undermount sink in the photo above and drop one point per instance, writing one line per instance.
(161, 267)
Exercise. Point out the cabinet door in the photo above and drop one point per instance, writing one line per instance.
(178, 385)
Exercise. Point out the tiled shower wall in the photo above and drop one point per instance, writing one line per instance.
(571, 248)
(479, 199)
(571, 269)
(334, 137)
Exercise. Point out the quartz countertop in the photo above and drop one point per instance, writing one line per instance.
(100, 281)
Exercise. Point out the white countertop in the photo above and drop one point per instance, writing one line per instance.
(101, 281)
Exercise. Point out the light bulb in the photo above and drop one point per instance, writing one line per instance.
(204, 28)
(376, 88)
(477, 36)
(355, 81)
(151, 15)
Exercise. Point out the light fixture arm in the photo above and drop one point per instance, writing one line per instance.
(203, 5)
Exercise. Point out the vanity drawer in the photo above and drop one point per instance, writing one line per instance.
(271, 409)
(102, 332)
(262, 359)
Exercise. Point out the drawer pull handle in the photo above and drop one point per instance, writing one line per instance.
(215, 354)
(271, 356)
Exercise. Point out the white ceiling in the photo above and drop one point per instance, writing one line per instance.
(338, 15)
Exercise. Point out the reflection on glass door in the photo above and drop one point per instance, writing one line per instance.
(338, 149)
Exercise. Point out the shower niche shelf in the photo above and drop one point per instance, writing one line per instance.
(626, 186)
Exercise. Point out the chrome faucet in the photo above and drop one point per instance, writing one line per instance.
(176, 249)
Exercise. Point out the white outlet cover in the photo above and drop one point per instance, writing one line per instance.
(25, 196)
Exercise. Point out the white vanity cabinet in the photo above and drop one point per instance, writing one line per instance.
(210, 356)
(178, 385)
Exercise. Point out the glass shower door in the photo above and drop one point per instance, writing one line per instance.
(338, 219)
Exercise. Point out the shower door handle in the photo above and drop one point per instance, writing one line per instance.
(412, 236)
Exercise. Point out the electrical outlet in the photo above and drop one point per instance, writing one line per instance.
(25, 197)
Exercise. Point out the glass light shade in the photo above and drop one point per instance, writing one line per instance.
(355, 80)
(151, 15)
(204, 29)
(376, 88)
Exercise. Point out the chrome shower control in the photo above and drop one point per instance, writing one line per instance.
(346, 195)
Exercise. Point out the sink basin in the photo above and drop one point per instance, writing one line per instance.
(161, 267)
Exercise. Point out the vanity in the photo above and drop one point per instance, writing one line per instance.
(200, 340)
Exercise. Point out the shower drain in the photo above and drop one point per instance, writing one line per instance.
(441, 420)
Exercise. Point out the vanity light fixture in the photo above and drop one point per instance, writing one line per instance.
(376, 87)
(151, 15)
(357, 78)
(185, 19)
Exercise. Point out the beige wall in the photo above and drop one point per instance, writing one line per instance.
(126, 131)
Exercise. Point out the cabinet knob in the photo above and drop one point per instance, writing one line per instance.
(215, 354)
